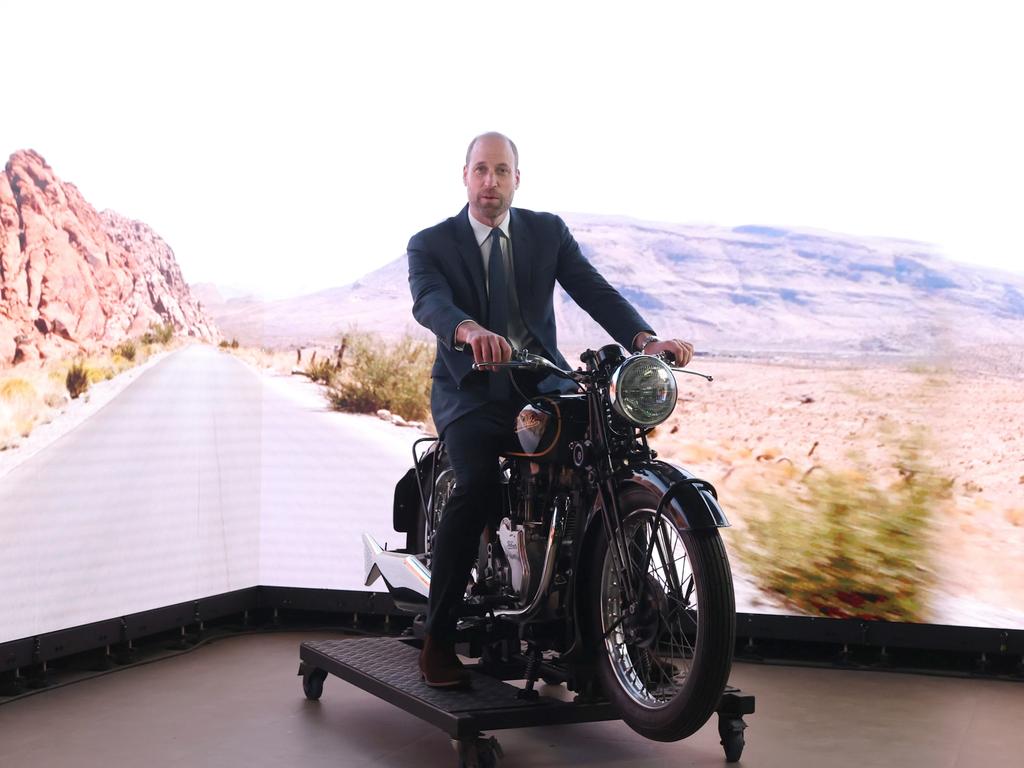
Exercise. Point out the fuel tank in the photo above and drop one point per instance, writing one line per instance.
(545, 428)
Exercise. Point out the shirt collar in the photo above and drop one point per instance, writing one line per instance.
(482, 231)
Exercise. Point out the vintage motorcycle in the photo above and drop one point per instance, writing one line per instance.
(604, 568)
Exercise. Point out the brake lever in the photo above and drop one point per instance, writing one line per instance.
(693, 373)
(683, 370)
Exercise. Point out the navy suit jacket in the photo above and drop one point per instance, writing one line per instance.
(446, 276)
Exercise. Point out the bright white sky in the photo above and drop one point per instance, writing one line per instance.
(288, 147)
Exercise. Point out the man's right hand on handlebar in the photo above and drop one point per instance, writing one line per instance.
(487, 347)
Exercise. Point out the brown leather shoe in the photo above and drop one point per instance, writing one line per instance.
(440, 666)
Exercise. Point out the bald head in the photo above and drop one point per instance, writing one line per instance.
(493, 135)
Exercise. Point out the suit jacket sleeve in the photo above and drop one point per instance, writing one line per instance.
(593, 293)
(432, 306)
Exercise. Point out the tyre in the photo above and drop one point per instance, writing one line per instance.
(436, 497)
(663, 660)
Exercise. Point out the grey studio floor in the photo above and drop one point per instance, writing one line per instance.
(238, 702)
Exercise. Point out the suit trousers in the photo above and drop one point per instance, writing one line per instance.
(474, 442)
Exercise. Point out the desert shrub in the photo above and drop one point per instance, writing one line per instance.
(98, 373)
(840, 544)
(158, 333)
(234, 343)
(20, 408)
(16, 391)
(224, 344)
(126, 349)
(322, 370)
(77, 379)
(377, 375)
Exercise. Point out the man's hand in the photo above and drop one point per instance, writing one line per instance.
(487, 347)
(682, 351)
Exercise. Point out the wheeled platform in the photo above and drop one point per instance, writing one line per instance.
(387, 667)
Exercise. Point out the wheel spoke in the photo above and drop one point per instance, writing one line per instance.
(657, 554)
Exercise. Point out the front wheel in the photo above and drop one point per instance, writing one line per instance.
(664, 655)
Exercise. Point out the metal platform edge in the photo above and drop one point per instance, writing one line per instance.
(462, 725)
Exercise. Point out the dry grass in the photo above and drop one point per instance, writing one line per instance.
(30, 396)
(19, 409)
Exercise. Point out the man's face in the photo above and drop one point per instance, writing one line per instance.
(491, 179)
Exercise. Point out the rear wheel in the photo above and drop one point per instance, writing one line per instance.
(663, 659)
(436, 497)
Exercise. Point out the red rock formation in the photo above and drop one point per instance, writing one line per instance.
(72, 279)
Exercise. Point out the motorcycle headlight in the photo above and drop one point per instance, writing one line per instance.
(643, 390)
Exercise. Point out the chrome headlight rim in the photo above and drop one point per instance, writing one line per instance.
(617, 397)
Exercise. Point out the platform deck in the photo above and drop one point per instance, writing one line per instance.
(388, 669)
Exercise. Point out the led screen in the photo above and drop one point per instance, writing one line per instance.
(205, 304)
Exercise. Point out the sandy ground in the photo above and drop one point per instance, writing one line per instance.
(757, 419)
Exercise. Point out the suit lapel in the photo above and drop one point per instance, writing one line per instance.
(522, 253)
(469, 251)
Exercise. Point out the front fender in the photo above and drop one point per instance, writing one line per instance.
(692, 502)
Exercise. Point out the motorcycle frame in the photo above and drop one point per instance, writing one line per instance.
(691, 503)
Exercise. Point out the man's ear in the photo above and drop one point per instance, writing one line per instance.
(517, 178)
(465, 176)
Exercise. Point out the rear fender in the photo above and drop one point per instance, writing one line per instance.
(408, 502)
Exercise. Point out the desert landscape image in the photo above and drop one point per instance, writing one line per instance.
(864, 426)
(861, 385)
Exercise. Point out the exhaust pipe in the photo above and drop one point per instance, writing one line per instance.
(399, 570)
(406, 573)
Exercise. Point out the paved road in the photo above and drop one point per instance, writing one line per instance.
(201, 477)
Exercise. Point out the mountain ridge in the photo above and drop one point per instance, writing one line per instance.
(730, 289)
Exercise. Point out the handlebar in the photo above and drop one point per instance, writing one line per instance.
(524, 359)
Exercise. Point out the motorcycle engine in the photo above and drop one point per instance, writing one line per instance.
(524, 555)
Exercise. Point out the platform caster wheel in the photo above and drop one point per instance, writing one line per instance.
(481, 752)
(731, 730)
(313, 683)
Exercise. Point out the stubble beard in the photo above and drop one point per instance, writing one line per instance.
(492, 209)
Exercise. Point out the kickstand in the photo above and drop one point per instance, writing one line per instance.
(533, 661)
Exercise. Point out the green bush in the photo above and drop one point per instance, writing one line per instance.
(843, 546)
(381, 375)
(126, 349)
(158, 333)
(77, 379)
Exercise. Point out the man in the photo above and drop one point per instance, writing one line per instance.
(480, 280)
